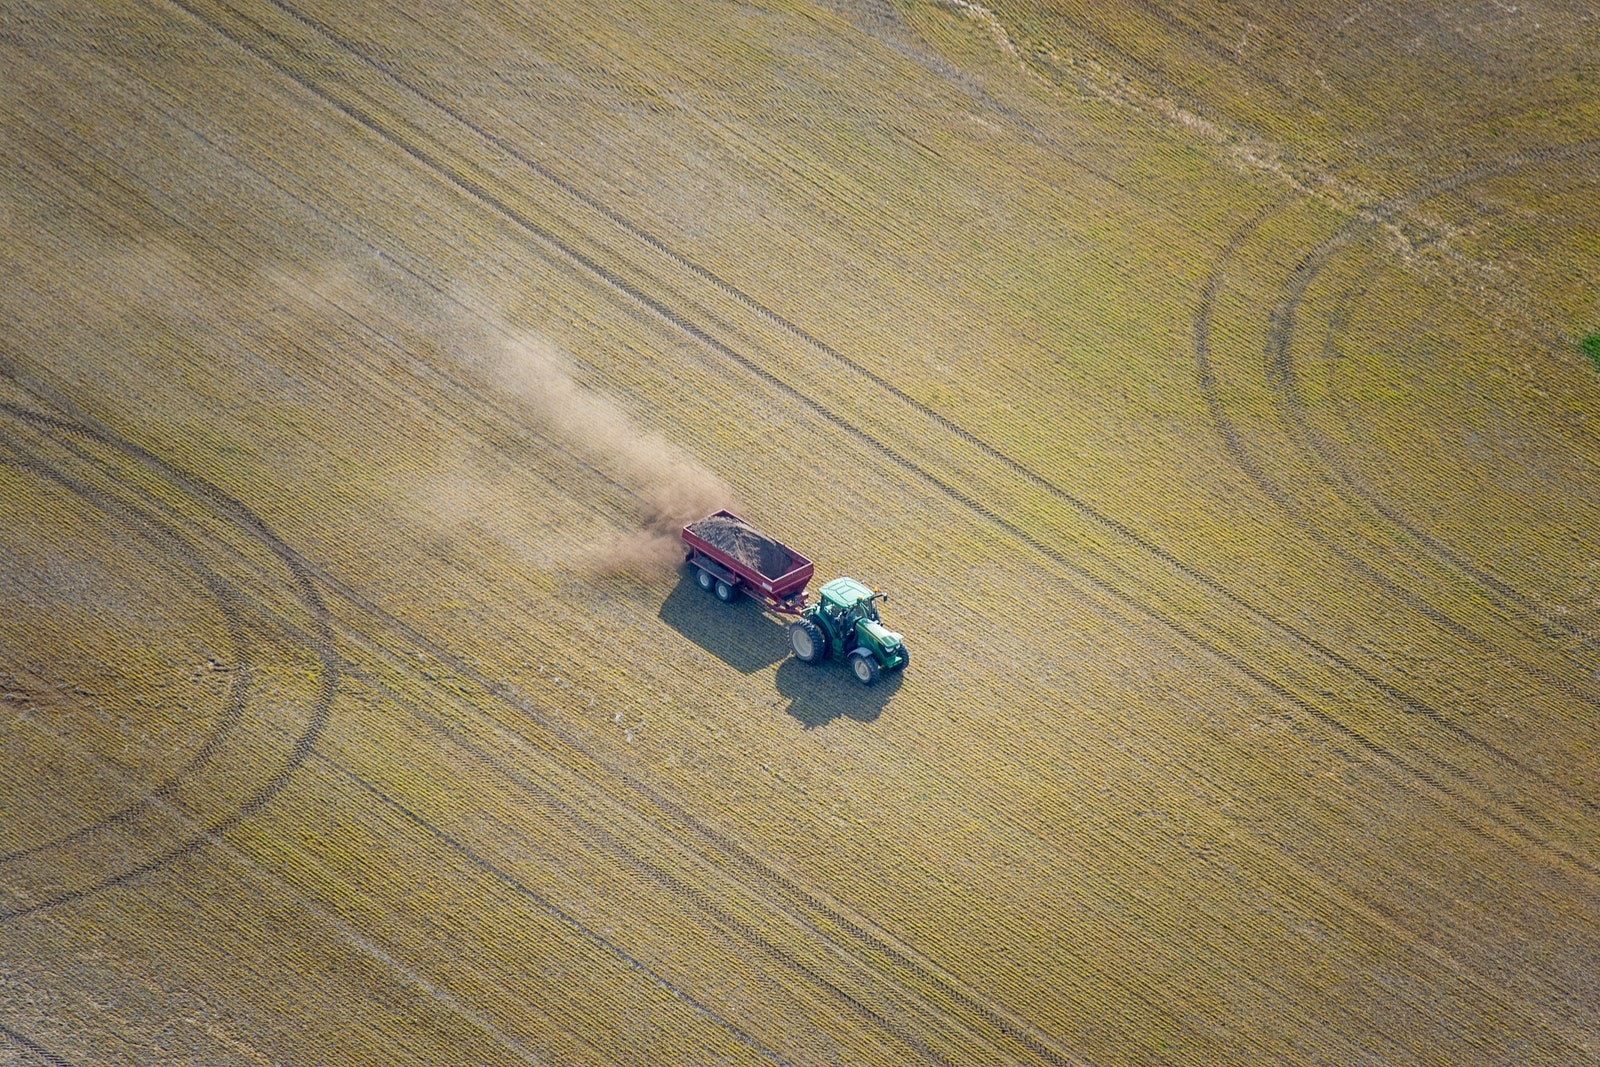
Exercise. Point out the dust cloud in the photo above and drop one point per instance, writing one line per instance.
(306, 314)
(462, 332)
(465, 333)
(670, 487)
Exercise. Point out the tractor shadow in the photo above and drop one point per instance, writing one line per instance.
(820, 693)
(740, 634)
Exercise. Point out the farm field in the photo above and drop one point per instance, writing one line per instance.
(1206, 384)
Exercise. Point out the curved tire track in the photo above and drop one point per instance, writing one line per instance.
(29, 1045)
(165, 541)
(77, 424)
(301, 747)
(1280, 369)
(1234, 446)
(1280, 362)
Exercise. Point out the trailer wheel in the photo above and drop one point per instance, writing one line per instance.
(725, 592)
(865, 666)
(705, 578)
(810, 644)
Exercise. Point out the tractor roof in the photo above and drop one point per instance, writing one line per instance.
(845, 592)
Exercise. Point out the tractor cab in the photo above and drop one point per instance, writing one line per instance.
(844, 622)
(850, 601)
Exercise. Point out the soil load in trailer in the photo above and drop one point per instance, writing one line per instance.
(745, 544)
(729, 555)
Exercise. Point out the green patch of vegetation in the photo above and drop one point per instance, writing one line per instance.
(1591, 348)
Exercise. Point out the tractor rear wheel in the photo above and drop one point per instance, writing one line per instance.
(865, 667)
(705, 578)
(810, 644)
(725, 592)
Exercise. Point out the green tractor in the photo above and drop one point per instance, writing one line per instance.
(844, 623)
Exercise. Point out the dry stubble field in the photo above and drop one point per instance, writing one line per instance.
(1202, 381)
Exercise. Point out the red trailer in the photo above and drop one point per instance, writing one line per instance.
(729, 556)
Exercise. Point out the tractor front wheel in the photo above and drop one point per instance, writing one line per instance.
(810, 644)
(865, 667)
(905, 657)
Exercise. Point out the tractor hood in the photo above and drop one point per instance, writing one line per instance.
(886, 638)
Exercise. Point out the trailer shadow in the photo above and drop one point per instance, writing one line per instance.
(819, 694)
(740, 634)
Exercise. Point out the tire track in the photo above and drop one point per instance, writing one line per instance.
(1357, 493)
(1549, 624)
(212, 832)
(478, 191)
(1281, 368)
(1233, 444)
(1282, 376)
(29, 1045)
(522, 889)
(164, 540)
(310, 906)
(78, 424)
